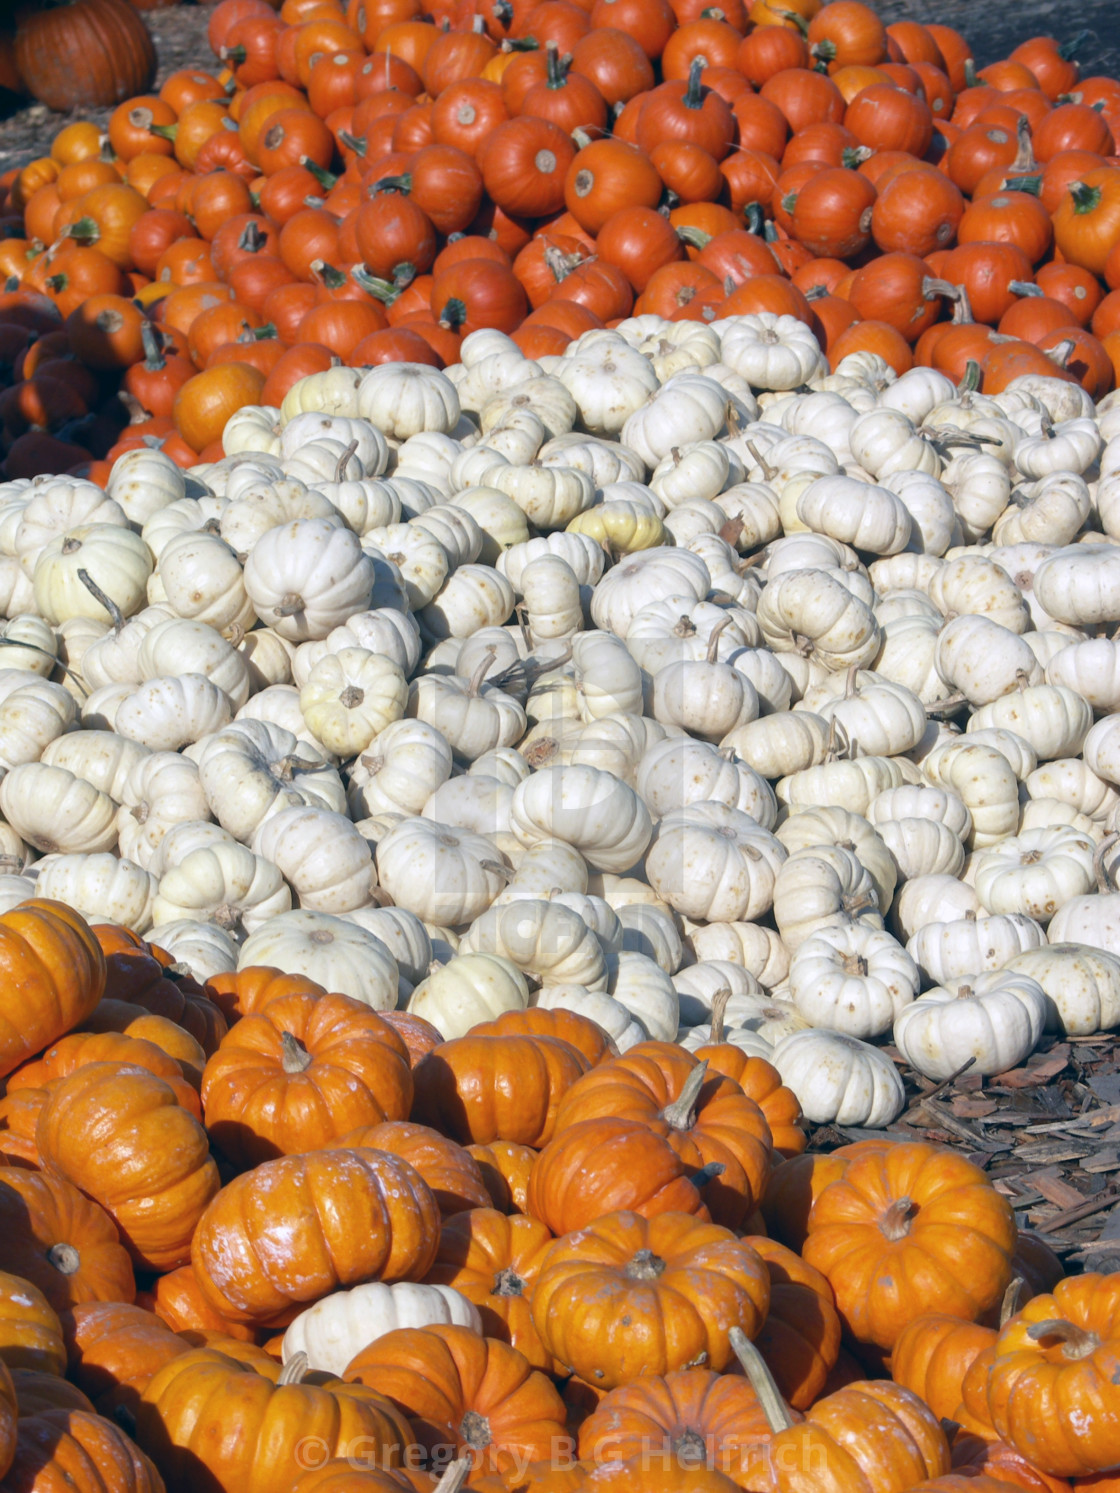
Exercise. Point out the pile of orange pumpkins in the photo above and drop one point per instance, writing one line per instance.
(372, 184)
(257, 1235)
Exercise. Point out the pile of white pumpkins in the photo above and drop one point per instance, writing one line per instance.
(672, 668)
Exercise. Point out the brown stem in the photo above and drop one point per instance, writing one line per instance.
(895, 1222)
(1075, 1341)
(454, 1477)
(65, 1258)
(295, 1057)
(1010, 1303)
(116, 616)
(484, 667)
(714, 637)
(295, 1370)
(719, 1013)
(761, 1381)
(681, 1114)
(768, 472)
(343, 459)
(291, 603)
(645, 1265)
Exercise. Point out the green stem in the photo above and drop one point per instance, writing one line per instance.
(1085, 198)
(694, 93)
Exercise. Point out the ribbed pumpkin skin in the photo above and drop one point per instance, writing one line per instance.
(84, 55)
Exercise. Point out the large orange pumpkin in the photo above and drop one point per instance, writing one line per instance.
(449, 1169)
(81, 1048)
(115, 1349)
(909, 1229)
(54, 973)
(495, 1088)
(61, 1241)
(300, 1074)
(72, 1449)
(1060, 1353)
(705, 1120)
(294, 1229)
(800, 1339)
(120, 1135)
(211, 1422)
(461, 1390)
(665, 1291)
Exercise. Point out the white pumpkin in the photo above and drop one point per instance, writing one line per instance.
(336, 954)
(991, 1023)
(223, 883)
(321, 855)
(116, 561)
(1036, 872)
(165, 714)
(601, 817)
(852, 979)
(338, 1327)
(441, 873)
(818, 885)
(54, 810)
(840, 1080)
(546, 940)
(251, 769)
(405, 764)
(647, 993)
(1082, 986)
(624, 1030)
(308, 577)
(971, 943)
(475, 986)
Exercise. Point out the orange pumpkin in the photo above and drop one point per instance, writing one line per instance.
(305, 1071)
(569, 1026)
(56, 973)
(932, 1355)
(706, 1121)
(1059, 1352)
(62, 1242)
(800, 1339)
(506, 1167)
(115, 1349)
(293, 1229)
(177, 1299)
(495, 1088)
(121, 1136)
(494, 1261)
(81, 1048)
(460, 1390)
(667, 1290)
(449, 1170)
(30, 1332)
(70, 1448)
(879, 1234)
(206, 1410)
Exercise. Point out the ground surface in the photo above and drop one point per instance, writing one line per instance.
(993, 28)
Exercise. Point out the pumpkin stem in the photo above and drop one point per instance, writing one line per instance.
(296, 1058)
(475, 1430)
(895, 1222)
(383, 290)
(454, 1477)
(352, 142)
(1010, 1303)
(1085, 198)
(768, 472)
(507, 1282)
(484, 667)
(681, 1114)
(401, 184)
(1024, 155)
(719, 1013)
(116, 616)
(707, 1173)
(946, 706)
(252, 240)
(972, 375)
(556, 66)
(1062, 351)
(154, 359)
(694, 94)
(559, 264)
(695, 238)
(65, 1258)
(761, 1381)
(295, 1370)
(326, 179)
(645, 1265)
(714, 637)
(1075, 1341)
(970, 78)
(1024, 287)
(754, 218)
(1069, 49)
(454, 314)
(344, 459)
(290, 604)
(327, 275)
(1103, 877)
